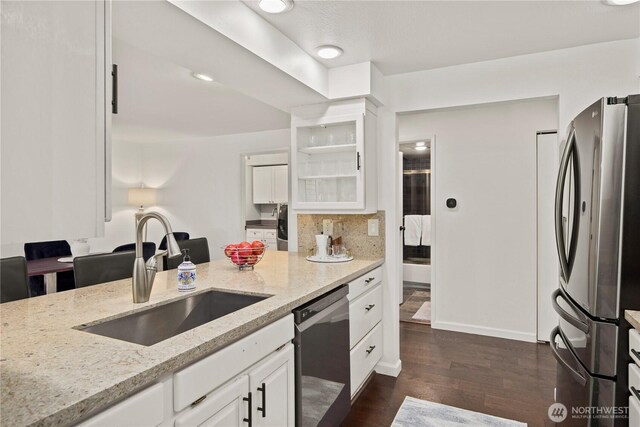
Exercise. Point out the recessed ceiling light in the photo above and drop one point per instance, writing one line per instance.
(202, 77)
(619, 2)
(329, 52)
(421, 148)
(420, 144)
(276, 6)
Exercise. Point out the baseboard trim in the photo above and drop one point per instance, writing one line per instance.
(480, 330)
(389, 369)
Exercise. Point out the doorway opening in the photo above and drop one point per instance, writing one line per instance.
(414, 164)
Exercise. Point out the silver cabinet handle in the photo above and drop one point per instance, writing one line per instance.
(369, 280)
(370, 349)
(369, 307)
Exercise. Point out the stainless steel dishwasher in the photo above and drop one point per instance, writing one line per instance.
(323, 381)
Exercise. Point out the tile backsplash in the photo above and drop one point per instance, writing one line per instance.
(355, 235)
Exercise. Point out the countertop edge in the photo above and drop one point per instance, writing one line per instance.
(633, 317)
(87, 407)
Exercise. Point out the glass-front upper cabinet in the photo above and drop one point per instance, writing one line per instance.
(329, 158)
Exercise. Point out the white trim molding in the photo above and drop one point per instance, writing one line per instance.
(391, 369)
(481, 330)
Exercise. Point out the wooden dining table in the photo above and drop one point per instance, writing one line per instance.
(48, 267)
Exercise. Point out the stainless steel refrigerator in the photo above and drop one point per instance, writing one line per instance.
(597, 223)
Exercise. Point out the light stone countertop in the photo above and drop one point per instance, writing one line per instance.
(52, 374)
(633, 317)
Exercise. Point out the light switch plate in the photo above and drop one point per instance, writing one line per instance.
(373, 227)
(327, 227)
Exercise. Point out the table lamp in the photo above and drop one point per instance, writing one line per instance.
(141, 197)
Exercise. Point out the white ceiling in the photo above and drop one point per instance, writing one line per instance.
(161, 101)
(405, 36)
(409, 150)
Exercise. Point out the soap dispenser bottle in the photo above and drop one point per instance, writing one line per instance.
(186, 273)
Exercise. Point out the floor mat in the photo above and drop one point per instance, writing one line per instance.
(414, 301)
(416, 412)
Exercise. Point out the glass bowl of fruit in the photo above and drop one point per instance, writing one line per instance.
(245, 255)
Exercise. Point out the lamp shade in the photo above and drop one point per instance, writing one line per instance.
(142, 196)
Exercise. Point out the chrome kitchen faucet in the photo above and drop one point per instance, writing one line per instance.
(144, 273)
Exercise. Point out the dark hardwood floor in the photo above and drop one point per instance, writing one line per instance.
(505, 378)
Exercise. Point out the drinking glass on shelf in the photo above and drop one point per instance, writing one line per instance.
(331, 138)
(313, 141)
(351, 136)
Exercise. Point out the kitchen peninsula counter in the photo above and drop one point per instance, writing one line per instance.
(54, 374)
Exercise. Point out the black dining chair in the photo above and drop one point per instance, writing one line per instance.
(101, 268)
(198, 251)
(179, 235)
(39, 250)
(148, 249)
(14, 284)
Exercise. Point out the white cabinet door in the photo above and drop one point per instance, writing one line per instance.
(272, 386)
(53, 82)
(262, 185)
(280, 184)
(226, 407)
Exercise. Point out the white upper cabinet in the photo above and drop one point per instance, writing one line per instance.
(270, 184)
(281, 184)
(334, 157)
(55, 77)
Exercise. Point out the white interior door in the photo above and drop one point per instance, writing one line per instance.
(548, 268)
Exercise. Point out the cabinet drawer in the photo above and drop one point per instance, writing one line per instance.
(145, 408)
(254, 234)
(634, 411)
(634, 376)
(634, 345)
(364, 283)
(211, 372)
(364, 313)
(364, 357)
(223, 407)
(270, 234)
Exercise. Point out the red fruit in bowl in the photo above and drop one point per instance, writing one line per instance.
(244, 249)
(252, 259)
(237, 259)
(258, 247)
(230, 250)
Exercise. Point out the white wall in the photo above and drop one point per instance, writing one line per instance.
(200, 183)
(486, 247)
(578, 76)
(126, 167)
(126, 172)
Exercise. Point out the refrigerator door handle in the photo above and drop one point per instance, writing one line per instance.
(566, 261)
(579, 377)
(581, 325)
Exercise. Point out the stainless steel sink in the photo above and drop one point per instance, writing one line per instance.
(157, 324)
